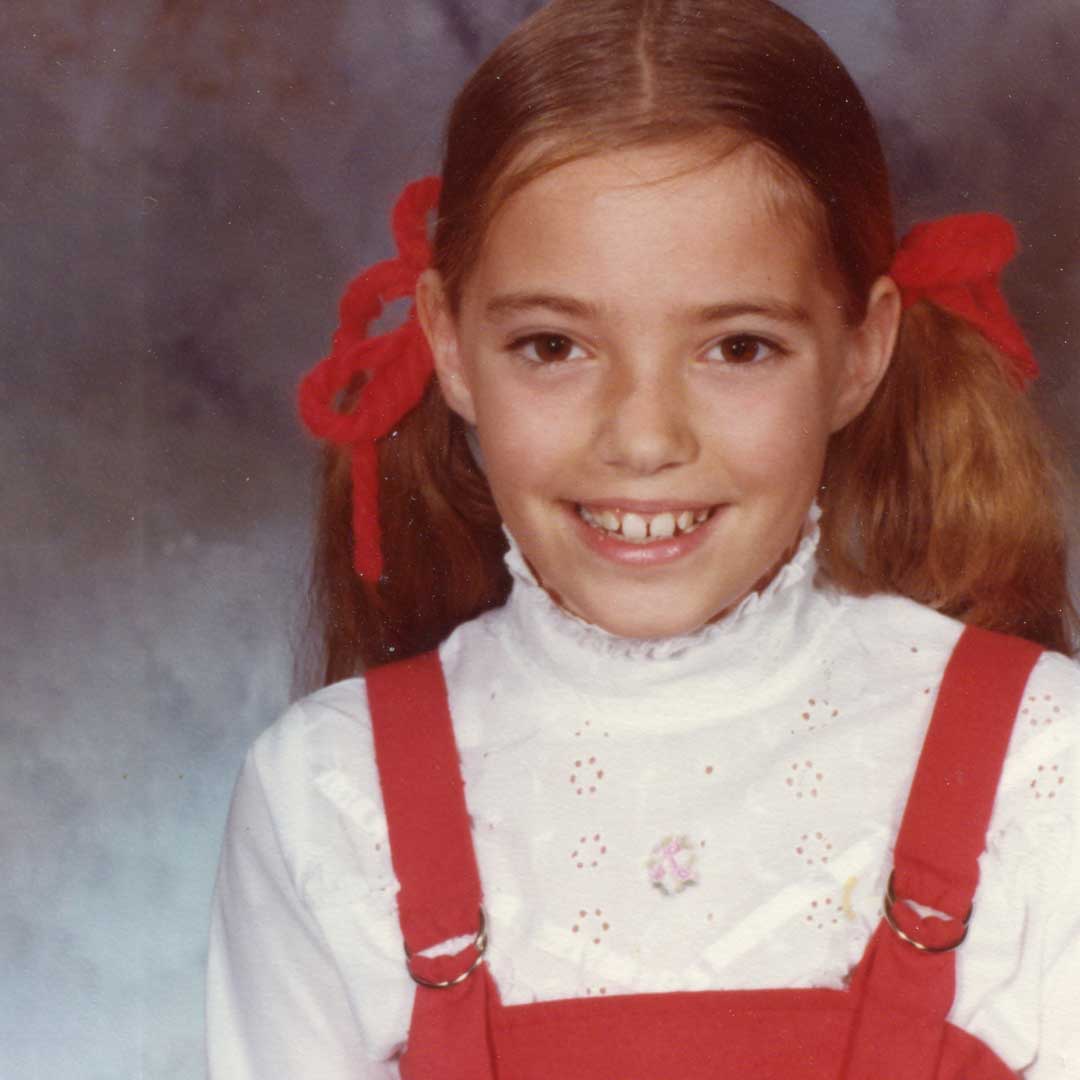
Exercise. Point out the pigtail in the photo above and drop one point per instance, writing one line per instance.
(947, 490)
(442, 546)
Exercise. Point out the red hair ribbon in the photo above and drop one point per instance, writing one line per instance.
(398, 365)
(956, 263)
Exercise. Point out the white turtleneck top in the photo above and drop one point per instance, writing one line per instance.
(774, 747)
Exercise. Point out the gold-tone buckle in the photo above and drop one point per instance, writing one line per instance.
(890, 903)
(479, 943)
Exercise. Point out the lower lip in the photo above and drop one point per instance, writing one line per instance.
(654, 553)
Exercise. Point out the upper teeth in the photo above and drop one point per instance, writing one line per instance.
(638, 528)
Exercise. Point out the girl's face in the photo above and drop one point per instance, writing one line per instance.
(654, 357)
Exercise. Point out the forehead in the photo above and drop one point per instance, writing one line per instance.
(657, 220)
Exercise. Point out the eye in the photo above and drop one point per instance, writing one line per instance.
(742, 349)
(546, 348)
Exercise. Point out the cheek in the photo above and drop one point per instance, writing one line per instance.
(771, 436)
(529, 439)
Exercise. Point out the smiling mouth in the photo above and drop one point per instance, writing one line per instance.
(637, 528)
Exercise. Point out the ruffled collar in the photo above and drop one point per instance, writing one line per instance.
(543, 622)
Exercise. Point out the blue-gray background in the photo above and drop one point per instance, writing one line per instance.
(184, 188)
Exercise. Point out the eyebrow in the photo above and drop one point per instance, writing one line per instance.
(516, 303)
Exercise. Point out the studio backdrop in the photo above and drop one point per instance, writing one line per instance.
(185, 187)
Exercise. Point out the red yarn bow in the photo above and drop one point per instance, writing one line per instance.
(398, 365)
(956, 263)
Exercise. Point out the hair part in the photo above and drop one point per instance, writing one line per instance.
(577, 80)
(944, 490)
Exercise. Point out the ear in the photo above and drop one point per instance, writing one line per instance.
(440, 329)
(869, 352)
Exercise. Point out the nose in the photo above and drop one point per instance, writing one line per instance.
(645, 422)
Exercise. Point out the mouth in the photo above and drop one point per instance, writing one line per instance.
(636, 527)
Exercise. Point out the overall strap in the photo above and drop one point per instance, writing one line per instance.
(424, 798)
(943, 831)
(435, 864)
(905, 993)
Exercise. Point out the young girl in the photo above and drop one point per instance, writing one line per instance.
(700, 758)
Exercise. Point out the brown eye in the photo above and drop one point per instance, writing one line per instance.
(545, 348)
(743, 350)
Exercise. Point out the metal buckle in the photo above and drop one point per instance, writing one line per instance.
(890, 903)
(479, 943)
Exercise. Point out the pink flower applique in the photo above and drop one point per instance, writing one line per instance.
(671, 865)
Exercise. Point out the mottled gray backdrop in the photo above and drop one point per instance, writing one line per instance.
(184, 187)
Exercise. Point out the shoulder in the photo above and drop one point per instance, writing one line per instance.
(1034, 835)
(315, 769)
(887, 623)
(322, 731)
(1043, 767)
(318, 758)
(883, 623)
(882, 651)
(886, 645)
(305, 958)
(1055, 680)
